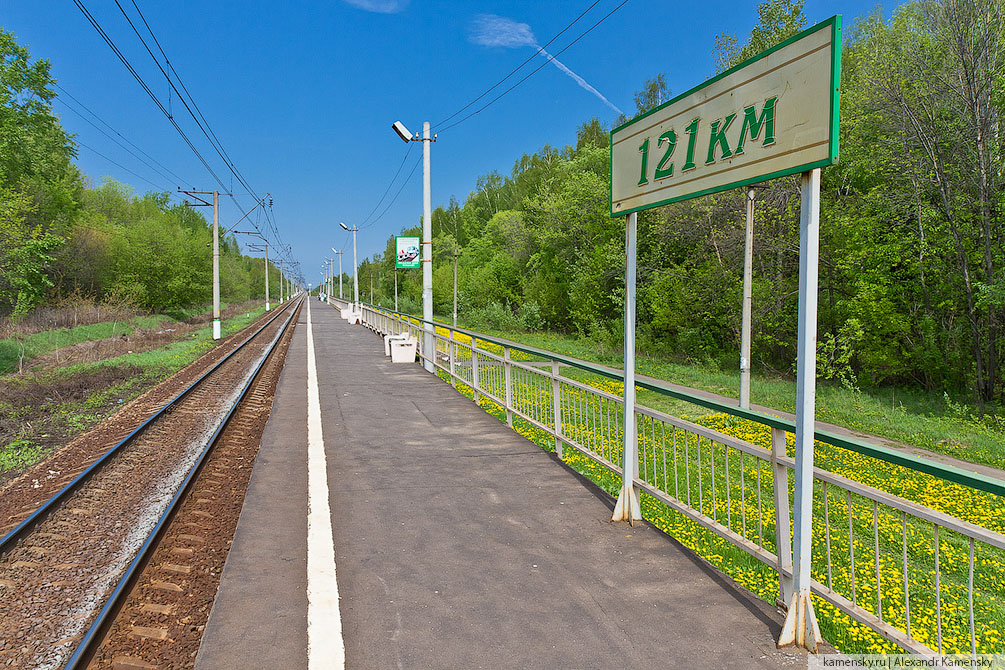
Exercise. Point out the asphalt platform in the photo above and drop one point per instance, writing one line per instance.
(458, 543)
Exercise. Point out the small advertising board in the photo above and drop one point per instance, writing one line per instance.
(408, 255)
(773, 115)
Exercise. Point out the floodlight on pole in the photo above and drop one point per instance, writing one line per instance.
(402, 131)
(427, 239)
(355, 279)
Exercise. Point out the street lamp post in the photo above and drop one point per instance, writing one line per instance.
(427, 239)
(355, 279)
(339, 254)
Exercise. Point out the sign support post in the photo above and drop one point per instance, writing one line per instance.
(775, 114)
(800, 626)
(627, 507)
(748, 262)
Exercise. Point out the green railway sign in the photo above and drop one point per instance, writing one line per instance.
(773, 115)
(408, 255)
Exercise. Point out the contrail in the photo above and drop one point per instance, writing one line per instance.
(498, 31)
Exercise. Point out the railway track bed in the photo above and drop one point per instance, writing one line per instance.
(138, 533)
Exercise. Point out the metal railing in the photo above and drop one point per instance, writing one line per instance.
(922, 578)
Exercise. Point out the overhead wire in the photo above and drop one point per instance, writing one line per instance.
(122, 146)
(540, 49)
(203, 125)
(403, 184)
(166, 169)
(210, 135)
(123, 167)
(139, 79)
(389, 185)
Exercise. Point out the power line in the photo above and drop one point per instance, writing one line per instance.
(518, 67)
(119, 165)
(403, 184)
(116, 141)
(209, 134)
(125, 61)
(389, 185)
(483, 94)
(535, 70)
(107, 125)
(207, 131)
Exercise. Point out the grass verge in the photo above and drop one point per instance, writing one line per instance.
(931, 421)
(40, 412)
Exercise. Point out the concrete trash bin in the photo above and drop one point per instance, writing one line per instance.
(389, 338)
(403, 351)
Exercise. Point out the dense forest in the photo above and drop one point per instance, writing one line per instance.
(60, 236)
(911, 291)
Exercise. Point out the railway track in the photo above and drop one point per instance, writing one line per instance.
(68, 567)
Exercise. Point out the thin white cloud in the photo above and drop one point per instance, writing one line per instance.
(490, 30)
(379, 6)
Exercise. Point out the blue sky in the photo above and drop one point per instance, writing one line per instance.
(302, 94)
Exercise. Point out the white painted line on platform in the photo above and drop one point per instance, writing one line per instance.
(325, 647)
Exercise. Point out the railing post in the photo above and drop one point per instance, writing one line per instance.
(453, 356)
(783, 545)
(474, 369)
(556, 397)
(507, 371)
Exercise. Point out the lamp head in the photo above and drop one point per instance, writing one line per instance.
(344, 227)
(402, 131)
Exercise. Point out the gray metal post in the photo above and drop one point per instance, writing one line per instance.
(556, 402)
(216, 265)
(355, 269)
(453, 356)
(395, 289)
(800, 626)
(474, 369)
(427, 248)
(267, 305)
(509, 386)
(280, 280)
(456, 255)
(340, 275)
(783, 540)
(748, 261)
(627, 508)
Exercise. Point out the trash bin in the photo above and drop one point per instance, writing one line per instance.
(389, 338)
(403, 351)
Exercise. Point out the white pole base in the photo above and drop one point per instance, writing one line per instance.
(216, 329)
(627, 507)
(267, 306)
(800, 627)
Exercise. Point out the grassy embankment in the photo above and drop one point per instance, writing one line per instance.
(43, 410)
(927, 420)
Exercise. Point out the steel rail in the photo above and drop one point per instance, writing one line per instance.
(85, 649)
(8, 540)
